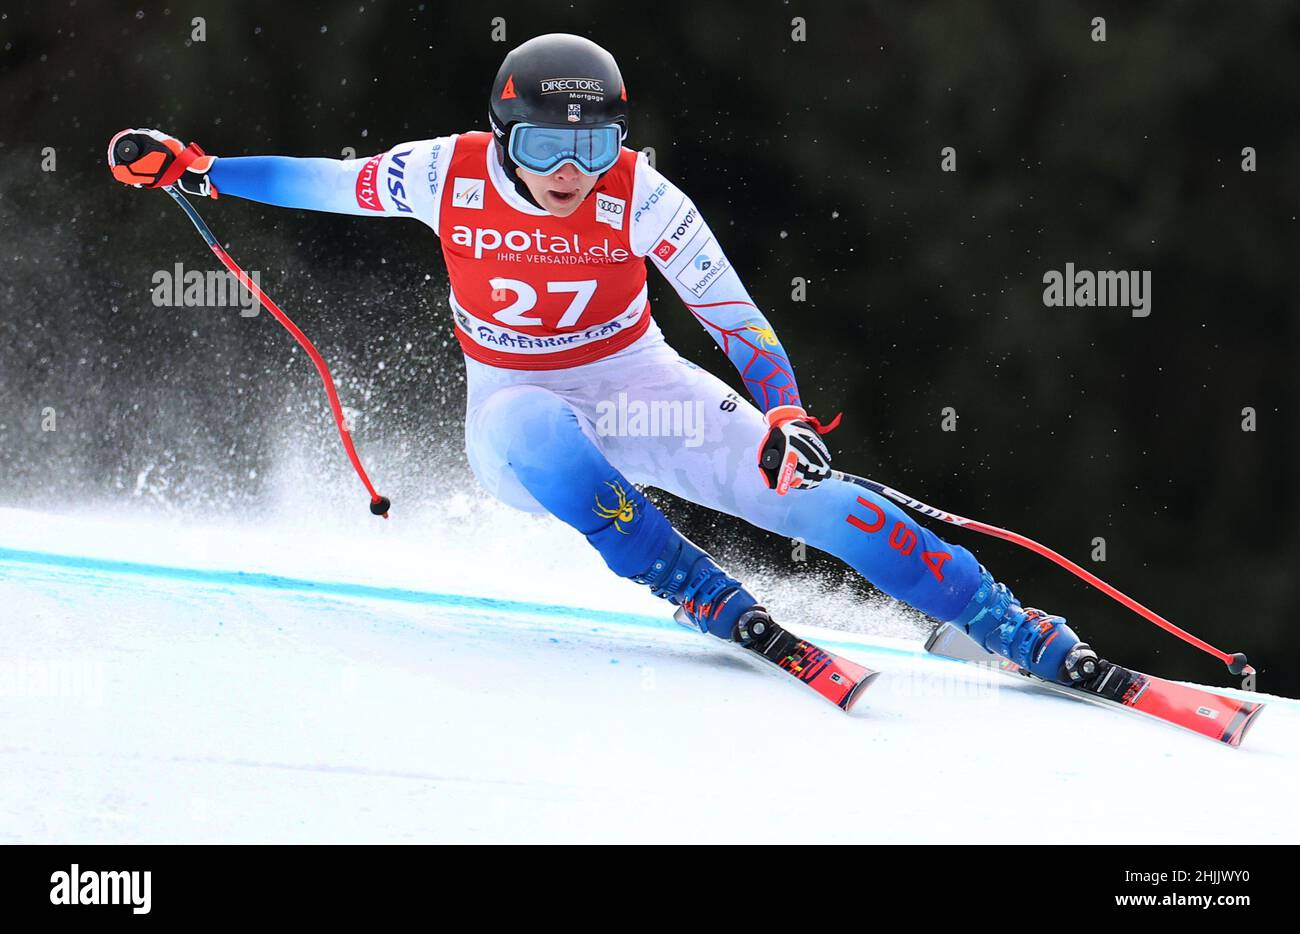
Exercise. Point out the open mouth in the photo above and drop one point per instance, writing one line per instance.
(563, 197)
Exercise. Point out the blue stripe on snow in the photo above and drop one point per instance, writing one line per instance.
(444, 600)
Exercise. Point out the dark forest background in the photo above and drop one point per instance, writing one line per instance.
(818, 159)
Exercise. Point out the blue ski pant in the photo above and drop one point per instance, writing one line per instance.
(575, 442)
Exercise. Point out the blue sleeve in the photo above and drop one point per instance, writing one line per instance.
(401, 182)
(750, 343)
(315, 184)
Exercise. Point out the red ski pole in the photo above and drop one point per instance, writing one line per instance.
(1236, 662)
(379, 505)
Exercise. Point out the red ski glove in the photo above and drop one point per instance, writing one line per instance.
(152, 159)
(793, 453)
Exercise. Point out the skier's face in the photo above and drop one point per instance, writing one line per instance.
(562, 191)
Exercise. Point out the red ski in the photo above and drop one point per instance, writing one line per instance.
(837, 679)
(1216, 716)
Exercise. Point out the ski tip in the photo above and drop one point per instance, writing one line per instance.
(859, 689)
(1242, 721)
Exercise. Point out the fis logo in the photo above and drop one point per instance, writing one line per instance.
(467, 193)
(623, 510)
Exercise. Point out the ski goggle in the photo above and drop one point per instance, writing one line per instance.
(543, 149)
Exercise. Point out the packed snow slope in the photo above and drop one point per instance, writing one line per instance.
(446, 680)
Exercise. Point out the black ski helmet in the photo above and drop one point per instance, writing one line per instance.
(556, 80)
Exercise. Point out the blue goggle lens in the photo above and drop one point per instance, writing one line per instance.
(543, 149)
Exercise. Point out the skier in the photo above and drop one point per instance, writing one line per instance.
(546, 224)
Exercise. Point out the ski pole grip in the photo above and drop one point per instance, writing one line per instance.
(126, 150)
(1238, 665)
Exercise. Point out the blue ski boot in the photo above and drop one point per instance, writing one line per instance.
(707, 598)
(1036, 641)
